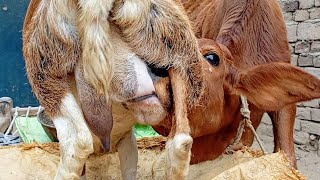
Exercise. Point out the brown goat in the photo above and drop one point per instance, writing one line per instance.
(52, 49)
(251, 43)
(73, 59)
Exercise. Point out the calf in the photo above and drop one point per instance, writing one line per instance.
(250, 54)
(272, 86)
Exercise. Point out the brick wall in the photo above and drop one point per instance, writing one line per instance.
(303, 25)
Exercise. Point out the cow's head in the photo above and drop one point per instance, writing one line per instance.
(269, 86)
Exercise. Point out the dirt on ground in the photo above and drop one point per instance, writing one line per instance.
(40, 161)
(33, 162)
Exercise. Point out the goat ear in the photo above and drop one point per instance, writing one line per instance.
(274, 85)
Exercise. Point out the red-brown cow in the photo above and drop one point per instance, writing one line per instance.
(250, 54)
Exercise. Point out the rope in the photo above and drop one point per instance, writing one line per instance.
(28, 112)
(6, 139)
(12, 139)
(16, 114)
(246, 121)
(39, 110)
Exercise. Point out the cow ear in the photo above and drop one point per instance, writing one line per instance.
(274, 85)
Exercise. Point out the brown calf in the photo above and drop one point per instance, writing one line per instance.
(252, 49)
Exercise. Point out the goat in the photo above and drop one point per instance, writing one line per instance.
(70, 62)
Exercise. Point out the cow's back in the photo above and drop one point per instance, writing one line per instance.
(253, 30)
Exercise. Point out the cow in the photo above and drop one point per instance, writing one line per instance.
(214, 125)
(248, 39)
(72, 53)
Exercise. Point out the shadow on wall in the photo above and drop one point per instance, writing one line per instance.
(13, 79)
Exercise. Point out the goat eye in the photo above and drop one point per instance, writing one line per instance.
(213, 58)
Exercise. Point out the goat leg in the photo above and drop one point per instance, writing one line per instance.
(128, 155)
(75, 139)
(179, 148)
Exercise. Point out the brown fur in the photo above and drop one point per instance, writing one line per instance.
(51, 50)
(161, 26)
(97, 47)
(253, 30)
(68, 42)
(252, 37)
(214, 126)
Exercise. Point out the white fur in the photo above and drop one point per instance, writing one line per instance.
(76, 142)
(62, 16)
(97, 54)
(97, 7)
(131, 9)
(178, 156)
(145, 83)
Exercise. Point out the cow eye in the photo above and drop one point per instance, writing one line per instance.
(213, 58)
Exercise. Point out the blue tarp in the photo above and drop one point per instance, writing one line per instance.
(13, 79)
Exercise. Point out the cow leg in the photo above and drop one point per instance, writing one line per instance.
(179, 148)
(128, 155)
(75, 139)
(283, 126)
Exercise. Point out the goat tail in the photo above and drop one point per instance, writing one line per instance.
(97, 54)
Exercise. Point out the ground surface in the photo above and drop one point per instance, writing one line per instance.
(39, 162)
(308, 160)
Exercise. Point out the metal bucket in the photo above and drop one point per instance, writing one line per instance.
(47, 125)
